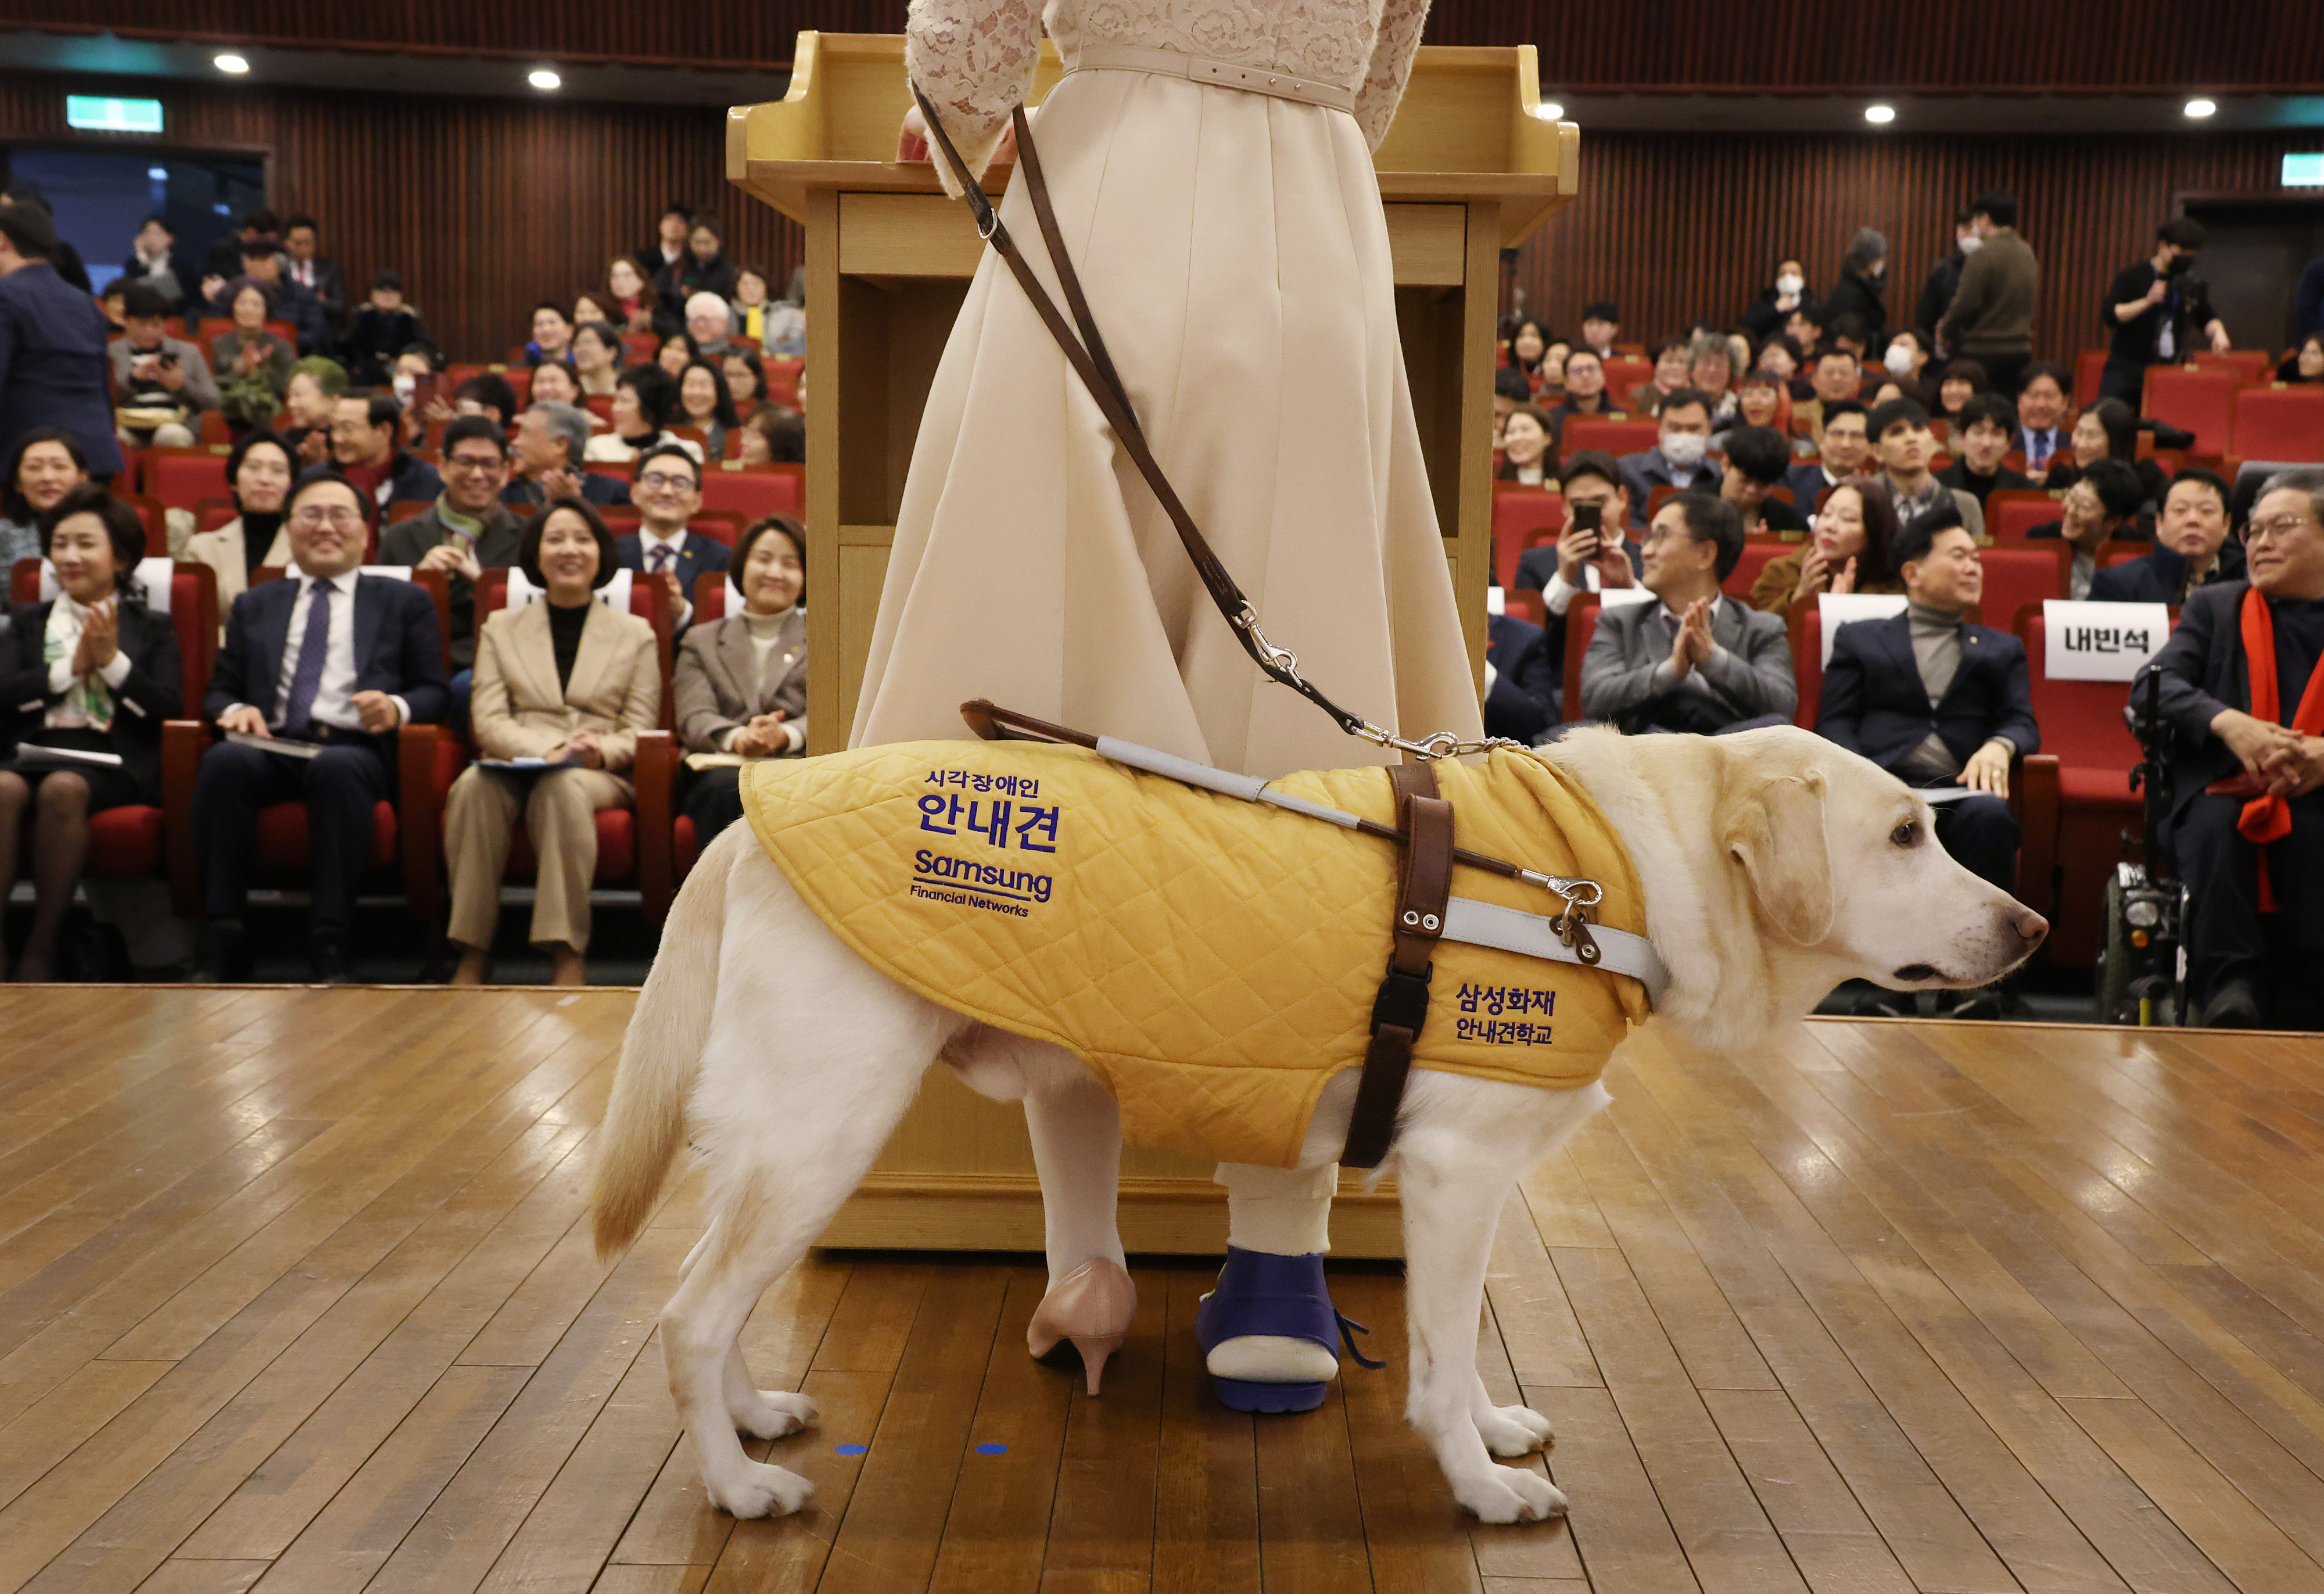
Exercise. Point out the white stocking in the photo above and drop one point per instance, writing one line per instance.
(1077, 1134)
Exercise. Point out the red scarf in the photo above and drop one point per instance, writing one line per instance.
(2267, 818)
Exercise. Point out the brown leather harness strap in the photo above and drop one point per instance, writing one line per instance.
(1424, 885)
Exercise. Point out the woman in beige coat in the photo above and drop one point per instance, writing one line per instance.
(567, 680)
(258, 475)
(740, 682)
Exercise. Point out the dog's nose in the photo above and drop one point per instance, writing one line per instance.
(2032, 926)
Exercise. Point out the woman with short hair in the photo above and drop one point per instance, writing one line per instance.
(252, 364)
(569, 681)
(597, 359)
(47, 463)
(258, 477)
(740, 682)
(645, 406)
(86, 679)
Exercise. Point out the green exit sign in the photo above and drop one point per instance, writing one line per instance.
(97, 113)
(2303, 170)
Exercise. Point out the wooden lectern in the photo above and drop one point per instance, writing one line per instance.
(1471, 167)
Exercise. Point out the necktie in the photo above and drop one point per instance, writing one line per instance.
(659, 560)
(307, 680)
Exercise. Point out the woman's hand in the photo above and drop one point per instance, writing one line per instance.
(1845, 580)
(100, 638)
(1814, 573)
(912, 140)
(581, 747)
(315, 448)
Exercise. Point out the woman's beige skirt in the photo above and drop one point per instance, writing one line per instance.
(1236, 260)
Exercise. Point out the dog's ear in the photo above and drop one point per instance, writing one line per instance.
(1774, 828)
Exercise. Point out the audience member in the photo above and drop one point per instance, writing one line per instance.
(1678, 458)
(1585, 393)
(1959, 382)
(746, 379)
(1601, 324)
(253, 365)
(773, 435)
(153, 261)
(703, 268)
(1775, 305)
(224, 258)
(669, 247)
(467, 531)
(1842, 452)
(645, 404)
(1528, 341)
(667, 492)
(762, 322)
(2304, 364)
(333, 660)
(44, 465)
(159, 383)
(1803, 330)
(258, 475)
(1670, 361)
(2191, 547)
(1991, 318)
(1710, 369)
(553, 334)
(1903, 443)
(90, 672)
(2041, 410)
(2239, 683)
(1906, 361)
(1939, 702)
(369, 453)
(1528, 448)
(596, 360)
(1982, 436)
(286, 301)
(302, 264)
(1780, 357)
(554, 384)
(705, 404)
(676, 352)
(1522, 686)
(740, 682)
(1943, 280)
(382, 329)
(1760, 401)
(1757, 460)
(1696, 661)
(1846, 333)
(1584, 559)
(1850, 547)
(551, 441)
(487, 393)
(2155, 311)
(310, 399)
(1862, 287)
(569, 681)
(630, 284)
(1835, 378)
(2102, 508)
(594, 304)
(53, 360)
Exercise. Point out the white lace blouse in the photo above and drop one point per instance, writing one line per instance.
(974, 59)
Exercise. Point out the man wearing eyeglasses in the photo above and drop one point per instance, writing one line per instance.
(2240, 682)
(324, 659)
(668, 491)
(467, 531)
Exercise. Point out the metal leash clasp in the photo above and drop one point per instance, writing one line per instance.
(1572, 925)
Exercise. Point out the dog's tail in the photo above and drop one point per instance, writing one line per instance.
(645, 1120)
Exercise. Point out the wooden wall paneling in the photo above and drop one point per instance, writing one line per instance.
(486, 207)
(2087, 44)
(1674, 225)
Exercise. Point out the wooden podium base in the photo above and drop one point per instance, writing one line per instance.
(955, 1177)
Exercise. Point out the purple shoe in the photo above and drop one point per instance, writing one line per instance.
(1282, 1297)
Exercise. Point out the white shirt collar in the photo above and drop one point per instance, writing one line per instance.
(648, 541)
(345, 582)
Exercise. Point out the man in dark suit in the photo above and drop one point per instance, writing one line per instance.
(2257, 844)
(2191, 547)
(667, 492)
(1938, 702)
(52, 354)
(1521, 679)
(1846, 446)
(545, 462)
(1696, 661)
(467, 531)
(319, 277)
(2043, 433)
(331, 661)
(368, 448)
(1679, 458)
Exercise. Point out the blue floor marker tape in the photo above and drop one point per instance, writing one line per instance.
(992, 1450)
(849, 1449)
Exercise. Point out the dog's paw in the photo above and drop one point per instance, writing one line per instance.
(1513, 1431)
(756, 1490)
(770, 1413)
(1509, 1494)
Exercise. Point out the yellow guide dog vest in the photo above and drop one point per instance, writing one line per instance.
(1213, 961)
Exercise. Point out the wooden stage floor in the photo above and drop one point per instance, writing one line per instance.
(295, 1294)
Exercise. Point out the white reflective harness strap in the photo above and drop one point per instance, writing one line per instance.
(1482, 925)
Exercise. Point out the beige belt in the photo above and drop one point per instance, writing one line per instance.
(1137, 58)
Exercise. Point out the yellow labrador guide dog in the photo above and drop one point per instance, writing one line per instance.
(1054, 924)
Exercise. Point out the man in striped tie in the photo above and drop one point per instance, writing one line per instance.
(318, 672)
(667, 492)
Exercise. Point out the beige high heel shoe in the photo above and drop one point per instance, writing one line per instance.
(1092, 1306)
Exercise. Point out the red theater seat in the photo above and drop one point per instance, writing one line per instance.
(755, 494)
(182, 477)
(2194, 399)
(1757, 557)
(2279, 423)
(2026, 573)
(1522, 517)
(1617, 438)
(2011, 514)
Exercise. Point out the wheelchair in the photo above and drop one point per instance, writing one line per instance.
(2141, 974)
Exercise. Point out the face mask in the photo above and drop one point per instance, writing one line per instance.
(1790, 282)
(1899, 360)
(406, 384)
(1684, 449)
(1969, 244)
(2179, 263)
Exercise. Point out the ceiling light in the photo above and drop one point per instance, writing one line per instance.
(1553, 111)
(2200, 107)
(158, 174)
(542, 78)
(1882, 115)
(230, 63)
